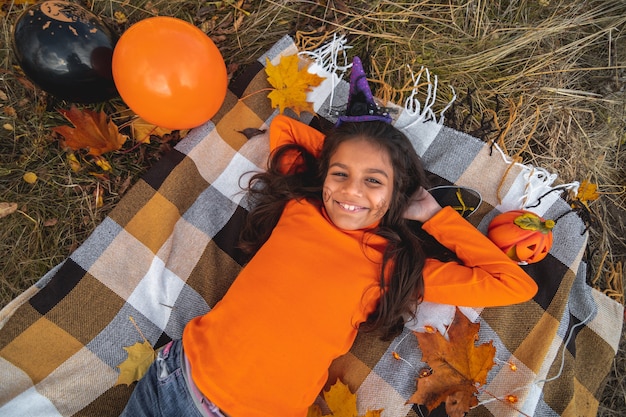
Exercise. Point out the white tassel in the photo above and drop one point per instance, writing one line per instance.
(441, 114)
(327, 56)
(538, 182)
(412, 105)
(326, 62)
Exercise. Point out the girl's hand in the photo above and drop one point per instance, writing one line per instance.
(422, 206)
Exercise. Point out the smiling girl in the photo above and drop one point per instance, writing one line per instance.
(333, 251)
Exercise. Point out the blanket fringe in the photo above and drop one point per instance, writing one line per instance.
(413, 107)
(331, 60)
(538, 181)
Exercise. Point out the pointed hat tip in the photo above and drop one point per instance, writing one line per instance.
(361, 104)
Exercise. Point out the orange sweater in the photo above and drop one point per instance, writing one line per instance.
(265, 348)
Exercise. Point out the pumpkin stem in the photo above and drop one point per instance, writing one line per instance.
(530, 221)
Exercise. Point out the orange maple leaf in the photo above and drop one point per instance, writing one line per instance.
(91, 132)
(458, 367)
(290, 84)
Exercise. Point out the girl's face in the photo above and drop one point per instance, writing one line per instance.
(358, 184)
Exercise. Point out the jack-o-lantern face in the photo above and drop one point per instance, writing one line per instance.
(522, 235)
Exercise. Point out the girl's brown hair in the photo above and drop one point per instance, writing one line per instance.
(400, 282)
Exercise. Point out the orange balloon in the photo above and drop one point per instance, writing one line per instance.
(169, 72)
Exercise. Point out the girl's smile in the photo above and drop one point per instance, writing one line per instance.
(350, 207)
(358, 184)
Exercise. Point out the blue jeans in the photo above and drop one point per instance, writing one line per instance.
(164, 392)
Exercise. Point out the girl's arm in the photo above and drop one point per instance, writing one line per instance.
(284, 131)
(487, 277)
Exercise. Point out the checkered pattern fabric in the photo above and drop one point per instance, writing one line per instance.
(168, 253)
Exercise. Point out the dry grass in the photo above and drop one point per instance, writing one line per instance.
(543, 78)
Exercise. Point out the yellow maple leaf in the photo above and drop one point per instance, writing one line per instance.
(140, 357)
(30, 177)
(73, 162)
(587, 192)
(120, 17)
(341, 402)
(142, 130)
(291, 84)
(314, 411)
(102, 163)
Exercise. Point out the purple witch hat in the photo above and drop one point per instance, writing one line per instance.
(361, 104)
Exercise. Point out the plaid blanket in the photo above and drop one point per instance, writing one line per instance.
(168, 253)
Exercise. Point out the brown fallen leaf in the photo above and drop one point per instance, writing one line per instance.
(51, 222)
(251, 132)
(91, 131)
(9, 111)
(457, 367)
(7, 208)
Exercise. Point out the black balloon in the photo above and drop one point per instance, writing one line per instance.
(66, 50)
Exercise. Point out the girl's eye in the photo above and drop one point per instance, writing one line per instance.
(339, 174)
(373, 181)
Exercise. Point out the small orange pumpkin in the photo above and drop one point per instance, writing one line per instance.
(522, 235)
